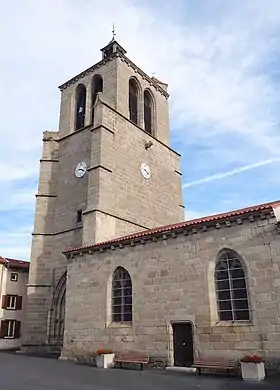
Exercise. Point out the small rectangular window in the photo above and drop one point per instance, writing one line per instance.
(11, 302)
(11, 329)
(14, 277)
(79, 216)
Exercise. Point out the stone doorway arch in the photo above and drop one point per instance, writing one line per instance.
(58, 311)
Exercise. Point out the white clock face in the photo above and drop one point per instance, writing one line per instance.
(145, 170)
(80, 169)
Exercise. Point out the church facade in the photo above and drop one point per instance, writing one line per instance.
(104, 274)
(206, 287)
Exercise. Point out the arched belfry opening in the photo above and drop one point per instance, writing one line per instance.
(97, 86)
(133, 100)
(58, 311)
(148, 112)
(80, 106)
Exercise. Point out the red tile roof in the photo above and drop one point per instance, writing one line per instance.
(181, 225)
(14, 263)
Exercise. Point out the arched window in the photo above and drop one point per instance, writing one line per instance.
(58, 310)
(133, 101)
(231, 288)
(97, 86)
(80, 106)
(148, 112)
(121, 296)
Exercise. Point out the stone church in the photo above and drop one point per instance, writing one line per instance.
(114, 264)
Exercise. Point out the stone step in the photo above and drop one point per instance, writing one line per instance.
(187, 370)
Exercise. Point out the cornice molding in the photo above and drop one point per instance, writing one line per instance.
(123, 58)
(46, 196)
(99, 166)
(51, 160)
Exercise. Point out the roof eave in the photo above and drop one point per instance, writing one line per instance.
(206, 222)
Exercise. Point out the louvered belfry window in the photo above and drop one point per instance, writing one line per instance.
(148, 111)
(97, 86)
(80, 106)
(133, 101)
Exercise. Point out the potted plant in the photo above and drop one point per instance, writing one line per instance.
(104, 358)
(252, 368)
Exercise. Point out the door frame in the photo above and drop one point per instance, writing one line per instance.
(172, 338)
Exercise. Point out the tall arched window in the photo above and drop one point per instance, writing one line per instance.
(97, 86)
(231, 288)
(80, 106)
(133, 101)
(148, 112)
(121, 296)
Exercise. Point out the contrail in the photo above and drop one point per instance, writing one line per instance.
(218, 176)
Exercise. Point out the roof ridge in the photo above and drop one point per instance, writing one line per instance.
(14, 262)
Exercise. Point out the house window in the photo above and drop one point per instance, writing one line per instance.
(79, 216)
(231, 288)
(97, 86)
(10, 329)
(133, 101)
(12, 302)
(121, 296)
(148, 112)
(80, 106)
(14, 277)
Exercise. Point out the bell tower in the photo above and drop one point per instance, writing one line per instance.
(108, 171)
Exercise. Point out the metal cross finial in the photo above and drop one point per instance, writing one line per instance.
(114, 31)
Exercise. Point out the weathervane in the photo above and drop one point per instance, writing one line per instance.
(114, 31)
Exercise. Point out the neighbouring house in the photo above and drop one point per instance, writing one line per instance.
(13, 285)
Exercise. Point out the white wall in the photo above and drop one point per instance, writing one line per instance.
(17, 288)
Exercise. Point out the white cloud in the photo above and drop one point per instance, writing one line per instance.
(191, 214)
(223, 175)
(16, 243)
(15, 199)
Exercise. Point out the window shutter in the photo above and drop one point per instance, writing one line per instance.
(17, 329)
(3, 329)
(18, 302)
(4, 301)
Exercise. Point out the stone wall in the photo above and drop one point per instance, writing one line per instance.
(129, 202)
(173, 279)
(161, 109)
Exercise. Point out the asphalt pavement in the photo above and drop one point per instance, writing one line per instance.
(19, 372)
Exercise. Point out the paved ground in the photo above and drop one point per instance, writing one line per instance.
(32, 373)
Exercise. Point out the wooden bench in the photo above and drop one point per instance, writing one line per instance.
(215, 363)
(131, 358)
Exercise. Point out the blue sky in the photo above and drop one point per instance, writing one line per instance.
(221, 61)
